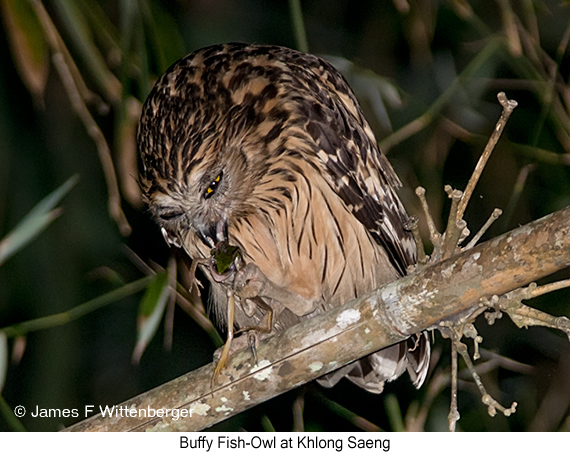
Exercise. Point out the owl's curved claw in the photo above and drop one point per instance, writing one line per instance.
(251, 338)
(268, 327)
(250, 282)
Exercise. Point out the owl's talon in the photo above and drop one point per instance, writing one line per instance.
(252, 339)
(250, 282)
(222, 354)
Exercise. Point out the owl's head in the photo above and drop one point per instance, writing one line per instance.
(219, 127)
(202, 155)
(194, 194)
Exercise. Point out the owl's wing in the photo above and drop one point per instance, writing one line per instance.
(366, 182)
(363, 178)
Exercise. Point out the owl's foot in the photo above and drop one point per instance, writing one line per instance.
(233, 344)
(250, 282)
(253, 303)
(222, 354)
(252, 331)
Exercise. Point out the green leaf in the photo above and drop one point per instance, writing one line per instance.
(298, 25)
(63, 318)
(394, 413)
(28, 46)
(150, 312)
(80, 37)
(35, 221)
(3, 359)
(103, 28)
(7, 413)
(165, 40)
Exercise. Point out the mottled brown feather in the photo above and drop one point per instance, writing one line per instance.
(304, 190)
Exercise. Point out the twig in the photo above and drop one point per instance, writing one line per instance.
(454, 226)
(78, 104)
(56, 42)
(454, 415)
(434, 234)
(486, 398)
(455, 331)
(541, 290)
(508, 107)
(525, 316)
(298, 25)
(522, 316)
(196, 312)
(414, 226)
(386, 316)
(114, 200)
(496, 214)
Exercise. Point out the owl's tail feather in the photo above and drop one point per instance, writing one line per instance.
(372, 371)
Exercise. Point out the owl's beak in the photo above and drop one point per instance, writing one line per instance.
(214, 233)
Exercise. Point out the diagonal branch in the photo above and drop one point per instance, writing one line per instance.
(444, 291)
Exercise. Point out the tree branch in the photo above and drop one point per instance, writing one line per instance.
(448, 290)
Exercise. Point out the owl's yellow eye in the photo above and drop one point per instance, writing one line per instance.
(213, 186)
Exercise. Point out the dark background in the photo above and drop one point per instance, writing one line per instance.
(445, 60)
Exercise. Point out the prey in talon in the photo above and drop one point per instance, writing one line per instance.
(226, 260)
(223, 265)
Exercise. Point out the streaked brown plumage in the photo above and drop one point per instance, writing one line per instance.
(268, 148)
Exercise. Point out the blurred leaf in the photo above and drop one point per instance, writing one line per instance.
(29, 49)
(63, 318)
(344, 412)
(126, 144)
(35, 221)
(134, 61)
(18, 348)
(163, 33)
(8, 414)
(130, 19)
(298, 25)
(80, 34)
(108, 274)
(104, 30)
(266, 424)
(394, 413)
(379, 92)
(150, 312)
(3, 359)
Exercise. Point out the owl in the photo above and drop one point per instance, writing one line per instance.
(267, 149)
